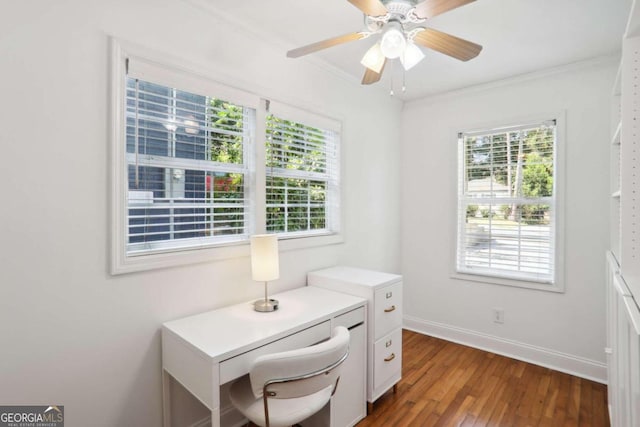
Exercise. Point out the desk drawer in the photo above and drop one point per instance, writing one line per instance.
(387, 355)
(237, 366)
(350, 319)
(388, 309)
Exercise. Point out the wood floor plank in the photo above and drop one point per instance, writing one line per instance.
(585, 414)
(493, 405)
(573, 412)
(600, 408)
(447, 384)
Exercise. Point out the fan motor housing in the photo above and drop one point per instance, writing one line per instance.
(398, 8)
(400, 11)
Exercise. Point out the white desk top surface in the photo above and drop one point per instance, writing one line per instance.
(232, 330)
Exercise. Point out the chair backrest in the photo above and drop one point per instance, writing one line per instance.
(303, 371)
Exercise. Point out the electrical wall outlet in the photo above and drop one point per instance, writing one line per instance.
(498, 315)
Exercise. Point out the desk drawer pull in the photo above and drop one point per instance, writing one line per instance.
(390, 309)
(390, 358)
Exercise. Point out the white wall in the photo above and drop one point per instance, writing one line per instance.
(71, 334)
(563, 330)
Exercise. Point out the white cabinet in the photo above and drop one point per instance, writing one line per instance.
(623, 358)
(383, 292)
(629, 257)
(615, 150)
(623, 263)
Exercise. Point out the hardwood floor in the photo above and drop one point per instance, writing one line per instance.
(447, 384)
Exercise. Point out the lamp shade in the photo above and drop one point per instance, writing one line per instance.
(265, 265)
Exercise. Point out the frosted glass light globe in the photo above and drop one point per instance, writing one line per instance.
(374, 58)
(411, 56)
(393, 43)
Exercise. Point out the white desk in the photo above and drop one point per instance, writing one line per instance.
(207, 350)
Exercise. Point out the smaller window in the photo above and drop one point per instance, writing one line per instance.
(507, 216)
(301, 177)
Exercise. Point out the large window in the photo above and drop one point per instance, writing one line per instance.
(187, 170)
(198, 167)
(507, 216)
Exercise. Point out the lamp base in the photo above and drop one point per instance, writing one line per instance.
(265, 305)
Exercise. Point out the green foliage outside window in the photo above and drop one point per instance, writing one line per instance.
(226, 146)
(295, 203)
(520, 160)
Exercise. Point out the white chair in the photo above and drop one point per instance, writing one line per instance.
(285, 388)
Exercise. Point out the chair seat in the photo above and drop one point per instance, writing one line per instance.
(282, 412)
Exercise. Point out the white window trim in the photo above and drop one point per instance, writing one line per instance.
(559, 182)
(146, 58)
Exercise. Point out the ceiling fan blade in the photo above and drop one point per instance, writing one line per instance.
(324, 44)
(371, 76)
(370, 7)
(446, 43)
(431, 8)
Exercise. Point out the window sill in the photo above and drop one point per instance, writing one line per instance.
(290, 243)
(492, 280)
(132, 264)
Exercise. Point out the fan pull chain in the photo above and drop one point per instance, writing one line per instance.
(391, 79)
(404, 80)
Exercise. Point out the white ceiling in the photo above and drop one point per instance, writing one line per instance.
(518, 37)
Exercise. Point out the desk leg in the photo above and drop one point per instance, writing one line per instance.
(215, 417)
(166, 399)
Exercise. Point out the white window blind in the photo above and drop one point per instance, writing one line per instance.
(507, 203)
(301, 177)
(187, 172)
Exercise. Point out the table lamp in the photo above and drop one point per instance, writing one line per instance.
(264, 267)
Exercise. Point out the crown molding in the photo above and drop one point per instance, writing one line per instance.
(598, 61)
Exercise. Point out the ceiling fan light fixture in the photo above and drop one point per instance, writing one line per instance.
(411, 56)
(374, 58)
(397, 25)
(393, 42)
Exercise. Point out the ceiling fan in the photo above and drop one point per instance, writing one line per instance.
(401, 24)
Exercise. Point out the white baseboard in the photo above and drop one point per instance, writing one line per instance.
(205, 422)
(570, 364)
